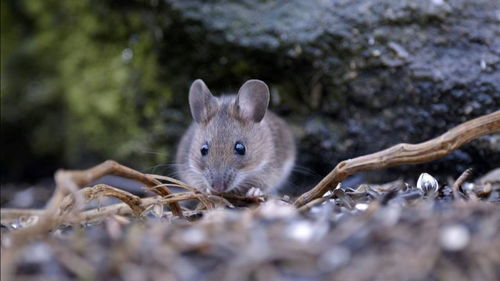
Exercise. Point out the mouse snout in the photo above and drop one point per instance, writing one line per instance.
(220, 182)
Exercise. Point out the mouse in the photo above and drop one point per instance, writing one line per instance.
(234, 143)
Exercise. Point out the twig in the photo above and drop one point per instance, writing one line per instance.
(175, 181)
(124, 209)
(404, 153)
(456, 187)
(306, 207)
(103, 190)
(132, 204)
(69, 182)
(12, 214)
(108, 167)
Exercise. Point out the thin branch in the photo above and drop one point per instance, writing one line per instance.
(404, 153)
(124, 209)
(458, 183)
(306, 207)
(175, 181)
(104, 190)
(132, 204)
(14, 213)
(108, 167)
(68, 182)
(66, 203)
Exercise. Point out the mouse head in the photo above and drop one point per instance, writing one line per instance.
(231, 143)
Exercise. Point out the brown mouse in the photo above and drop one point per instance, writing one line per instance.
(234, 143)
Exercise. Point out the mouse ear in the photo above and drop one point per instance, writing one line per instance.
(203, 105)
(252, 100)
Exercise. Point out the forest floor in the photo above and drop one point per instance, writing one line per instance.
(393, 231)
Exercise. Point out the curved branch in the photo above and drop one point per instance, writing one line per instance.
(404, 153)
(84, 177)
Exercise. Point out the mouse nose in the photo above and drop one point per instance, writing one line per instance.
(218, 184)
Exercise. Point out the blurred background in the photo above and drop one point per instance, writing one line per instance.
(86, 81)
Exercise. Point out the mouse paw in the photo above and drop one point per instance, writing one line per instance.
(254, 192)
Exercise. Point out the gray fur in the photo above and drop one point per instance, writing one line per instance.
(270, 148)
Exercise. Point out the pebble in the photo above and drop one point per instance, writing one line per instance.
(454, 237)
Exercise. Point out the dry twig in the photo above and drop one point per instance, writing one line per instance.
(85, 177)
(59, 207)
(175, 182)
(458, 183)
(404, 153)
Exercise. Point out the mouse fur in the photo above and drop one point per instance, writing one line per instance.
(235, 143)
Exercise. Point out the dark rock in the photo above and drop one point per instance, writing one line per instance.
(389, 71)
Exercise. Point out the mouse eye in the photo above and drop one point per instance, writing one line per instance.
(204, 149)
(239, 148)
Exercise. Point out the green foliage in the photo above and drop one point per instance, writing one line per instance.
(82, 77)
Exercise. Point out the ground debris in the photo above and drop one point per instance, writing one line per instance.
(392, 231)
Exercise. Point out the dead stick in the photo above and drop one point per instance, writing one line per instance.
(308, 206)
(104, 190)
(85, 177)
(175, 181)
(14, 213)
(404, 153)
(458, 183)
(123, 209)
